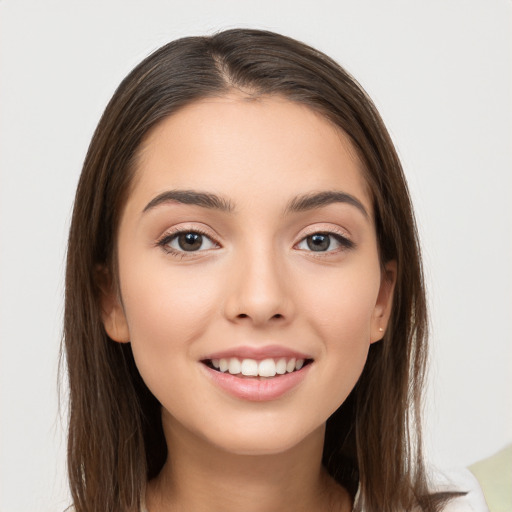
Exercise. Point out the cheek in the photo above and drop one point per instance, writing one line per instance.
(160, 300)
(340, 312)
(166, 312)
(342, 303)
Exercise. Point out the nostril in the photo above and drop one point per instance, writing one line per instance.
(277, 316)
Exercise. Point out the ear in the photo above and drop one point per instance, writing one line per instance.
(112, 312)
(384, 304)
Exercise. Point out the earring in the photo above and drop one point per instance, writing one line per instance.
(381, 329)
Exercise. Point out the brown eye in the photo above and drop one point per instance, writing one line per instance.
(187, 241)
(190, 241)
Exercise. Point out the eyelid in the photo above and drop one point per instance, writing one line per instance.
(341, 235)
(325, 228)
(164, 240)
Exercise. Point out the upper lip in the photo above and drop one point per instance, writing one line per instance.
(258, 353)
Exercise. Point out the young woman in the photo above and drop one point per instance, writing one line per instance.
(245, 323)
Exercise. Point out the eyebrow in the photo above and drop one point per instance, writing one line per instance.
(203, 199)
(319, 199)
(300, 203)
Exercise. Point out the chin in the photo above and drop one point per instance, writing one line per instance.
(263, 441)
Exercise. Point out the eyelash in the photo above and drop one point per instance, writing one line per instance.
(169, 237)
(345, 243)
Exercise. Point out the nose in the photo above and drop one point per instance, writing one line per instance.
(257, 290)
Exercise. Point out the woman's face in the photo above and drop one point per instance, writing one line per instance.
(248, 243)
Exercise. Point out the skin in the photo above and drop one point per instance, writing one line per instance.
(256, 283)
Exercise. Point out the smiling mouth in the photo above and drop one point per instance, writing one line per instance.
(252, 368)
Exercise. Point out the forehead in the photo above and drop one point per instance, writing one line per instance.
(268, 146)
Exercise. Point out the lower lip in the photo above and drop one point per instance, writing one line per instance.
(255, 389)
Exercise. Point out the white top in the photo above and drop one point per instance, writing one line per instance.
(454, 480)
(461, 480)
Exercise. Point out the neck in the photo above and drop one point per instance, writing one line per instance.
(201, 477)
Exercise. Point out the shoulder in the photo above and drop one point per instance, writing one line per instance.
(460, 480)
(494, 474)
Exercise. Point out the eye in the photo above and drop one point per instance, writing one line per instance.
(324, 242)
(187, 241)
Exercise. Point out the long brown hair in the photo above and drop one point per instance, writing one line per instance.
(116, 442)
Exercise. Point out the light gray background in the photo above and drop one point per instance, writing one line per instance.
(440, 73)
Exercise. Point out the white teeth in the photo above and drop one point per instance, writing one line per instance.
(223, 365)
(281, 366)
(234, 366)
(252, 368)
(267, 368)
(290, 365)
